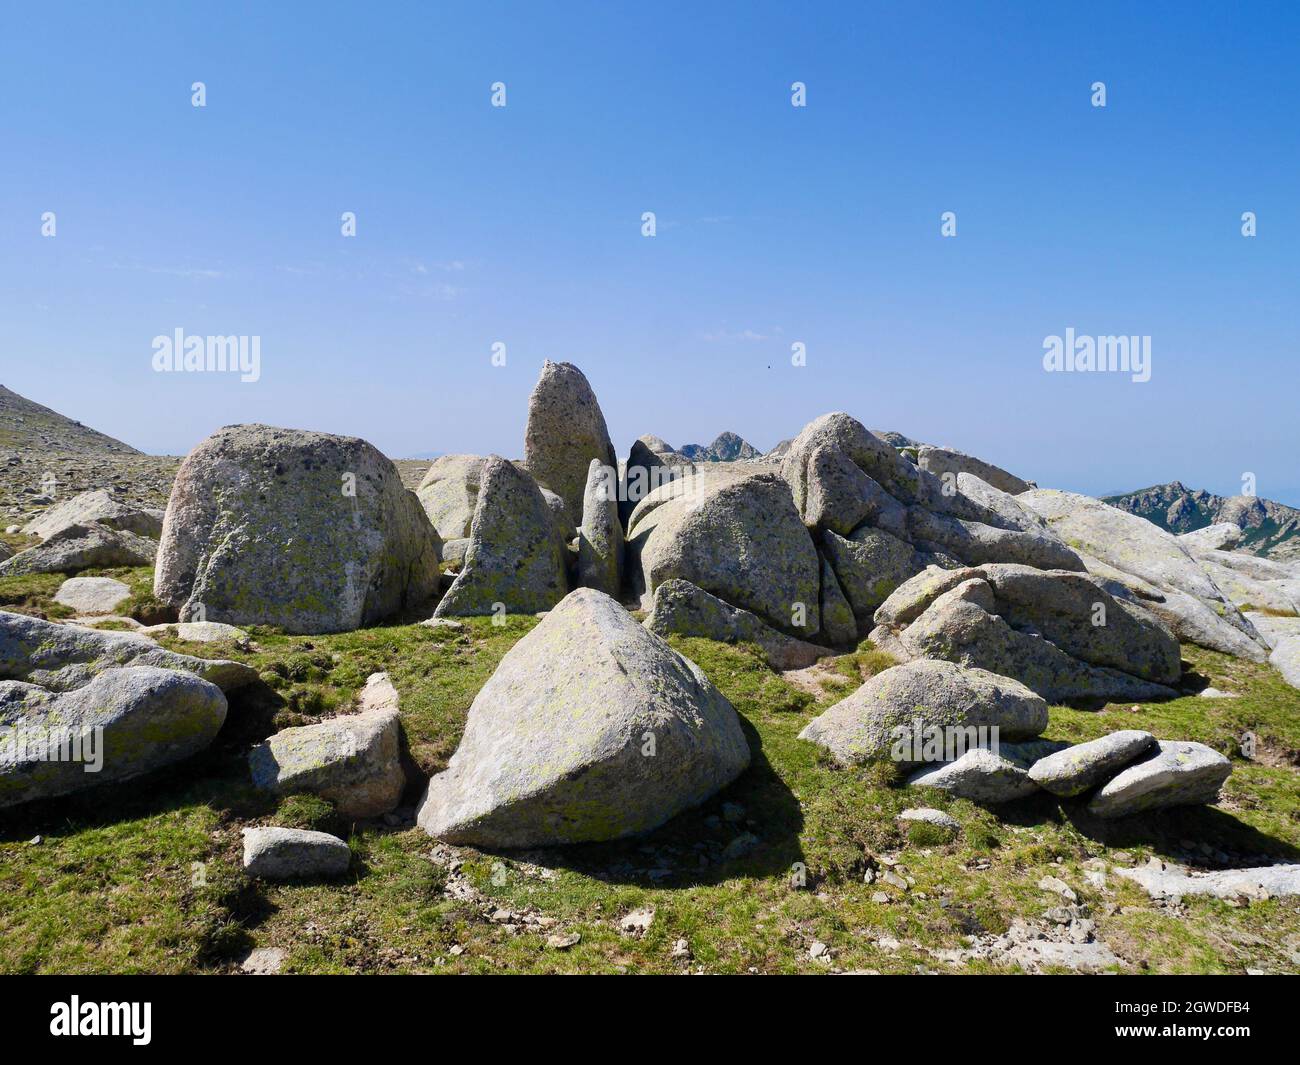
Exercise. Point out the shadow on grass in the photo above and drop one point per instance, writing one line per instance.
(699, 847)
(1168, 832)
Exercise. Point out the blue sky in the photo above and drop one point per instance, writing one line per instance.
(776, 224)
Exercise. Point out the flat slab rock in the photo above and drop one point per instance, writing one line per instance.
(65, 657)
(1176, 773)
(92, 595)
(196, 631)
(978, 775)
(1076, 769)
(930, 816)
(1263, 882)
(294, 854)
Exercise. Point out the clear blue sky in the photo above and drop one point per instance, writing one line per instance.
(776, 224)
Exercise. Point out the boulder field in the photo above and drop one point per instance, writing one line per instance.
(995, 597)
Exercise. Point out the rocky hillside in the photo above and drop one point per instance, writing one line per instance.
(1270, 529)
(728, 447)
(46, 457)
(27, 426)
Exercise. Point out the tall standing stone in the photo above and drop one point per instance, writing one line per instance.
(565, 431)
(600, 540)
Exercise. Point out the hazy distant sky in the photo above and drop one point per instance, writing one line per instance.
(776, 224)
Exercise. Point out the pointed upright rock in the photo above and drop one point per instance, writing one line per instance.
(592, 728)
(515, 555)
(565, 431)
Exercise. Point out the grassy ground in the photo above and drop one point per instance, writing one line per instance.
(145, 877)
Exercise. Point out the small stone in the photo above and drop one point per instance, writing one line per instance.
(819, 950)
(880, 897)
(1058, 887)
(263, 961)
(681, 950)
(563, 942)
(637, 923)
(733, 812)
(290, 853)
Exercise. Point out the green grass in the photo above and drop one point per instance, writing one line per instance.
(146, 877)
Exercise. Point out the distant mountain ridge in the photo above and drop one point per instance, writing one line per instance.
(27, 426)
(728, 447)
(1270, 529)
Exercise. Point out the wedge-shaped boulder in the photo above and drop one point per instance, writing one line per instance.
(1079, 616)
(681, 607)
(515, 559)
(740, 539)
(565, 431)
(307, 531)
(899, 714)
(1175, 773)
(100, 508)
(123, 723)
(449, 493)
(1137, 552)
(352, 760)
(65, 657)
(910, 599)
(1247, 590)
(78, 547)
(294, 854)
(978, 775)
(870, 564)
(651, 463)
(592, 728)
(1085, 765)
(942, 460)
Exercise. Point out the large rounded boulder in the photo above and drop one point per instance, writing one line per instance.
(302, 530)
(741, 539)
(591, 728)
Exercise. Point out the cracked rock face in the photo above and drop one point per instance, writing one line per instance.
(1153, 564)
(306, 531)
(591, 728)
(1038, 626)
